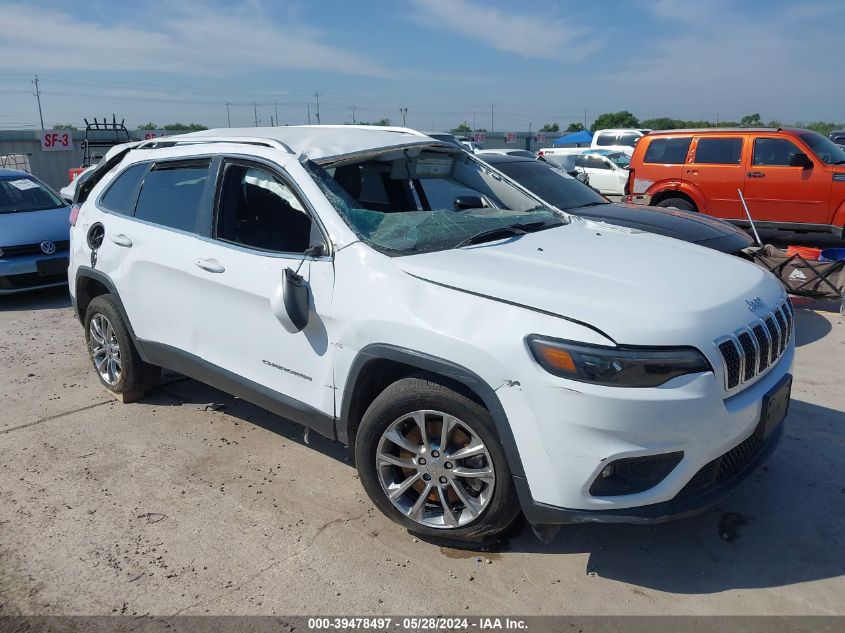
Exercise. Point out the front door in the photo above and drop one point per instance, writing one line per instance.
(262, 227)
(776, 192)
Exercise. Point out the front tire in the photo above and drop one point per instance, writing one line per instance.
(430, 459)
(113, 354)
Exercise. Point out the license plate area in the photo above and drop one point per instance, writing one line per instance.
(775, 407)
(52, 267)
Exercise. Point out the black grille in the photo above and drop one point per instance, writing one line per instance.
(773, 334)
(30, 280)
(753, 349)
(32, 249)
(724, 467)
(783, 333)
(763, 344)
(750, 355)
(731, 356)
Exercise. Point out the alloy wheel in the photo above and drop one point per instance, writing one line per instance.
(435, 469)
(105, 350)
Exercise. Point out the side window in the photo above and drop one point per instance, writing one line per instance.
(773, 151)
(258, 210)
(121, 195)
(597, 162)
(718, 151)
(171, 194)
(629, 139)
(605, 139)
(668, 151)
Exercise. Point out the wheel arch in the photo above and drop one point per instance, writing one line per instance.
(678, 189)
(378, 365)
(91, 283)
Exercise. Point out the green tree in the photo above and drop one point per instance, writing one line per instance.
(751, 120)
(662, 123)
(550, 127)
(380, 122)
(148, 126)
(181, 127)
(64, 126)
(614, 119)
(821, 127)
(462, 130)
(574, 127)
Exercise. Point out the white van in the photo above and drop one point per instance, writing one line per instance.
(620, 140)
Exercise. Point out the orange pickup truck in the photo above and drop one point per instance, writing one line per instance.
(790, 178)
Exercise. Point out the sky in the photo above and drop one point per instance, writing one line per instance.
(496, 64)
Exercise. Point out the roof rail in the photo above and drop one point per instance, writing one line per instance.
(165, 141)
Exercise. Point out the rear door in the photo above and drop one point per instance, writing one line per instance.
(716, 169)
(154, 216)
(776, 192)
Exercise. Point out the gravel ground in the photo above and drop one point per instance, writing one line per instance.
(167, 506)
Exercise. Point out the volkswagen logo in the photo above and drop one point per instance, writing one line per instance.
(756, 305)
(48, 247)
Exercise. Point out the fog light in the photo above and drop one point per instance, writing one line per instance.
(631, 475)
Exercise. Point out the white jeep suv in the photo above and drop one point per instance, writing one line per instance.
(483, 352)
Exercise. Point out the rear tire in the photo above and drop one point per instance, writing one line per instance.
(677, 203)
(461, 499)
(113, 354)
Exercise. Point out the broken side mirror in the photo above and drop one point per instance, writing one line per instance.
(291, 301)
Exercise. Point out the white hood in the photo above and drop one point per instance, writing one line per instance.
(637, 288)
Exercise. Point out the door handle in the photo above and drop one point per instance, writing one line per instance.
(756, 174)
(692, 172)
(211, 265)
(121, 240)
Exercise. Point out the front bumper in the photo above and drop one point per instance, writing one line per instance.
(567, 433)
(683, 505)
(21, 273)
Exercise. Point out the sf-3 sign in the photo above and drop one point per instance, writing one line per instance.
(56, 141)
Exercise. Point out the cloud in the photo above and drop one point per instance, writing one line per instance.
(194, 37)
(527, 34)
(733, 59)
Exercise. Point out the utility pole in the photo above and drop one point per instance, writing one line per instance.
(404, 112)
(492, 127)
(585, 118)
(308, 105)
(228, 117)
(317, 96)
(353, 115)
(473, 122)
(37, 94)
(276, 106)
(255, 111)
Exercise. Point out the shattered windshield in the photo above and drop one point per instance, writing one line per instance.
(410, 201)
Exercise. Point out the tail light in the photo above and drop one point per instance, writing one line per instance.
(629, 184)
(74, 213)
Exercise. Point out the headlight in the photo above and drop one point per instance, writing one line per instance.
(616, 366)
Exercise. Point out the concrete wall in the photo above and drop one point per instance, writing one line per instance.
(52, 167)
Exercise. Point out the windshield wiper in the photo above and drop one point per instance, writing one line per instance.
(503, 231)
(589, 204)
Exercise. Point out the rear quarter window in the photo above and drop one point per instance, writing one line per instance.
(667, 151)
(122, 193)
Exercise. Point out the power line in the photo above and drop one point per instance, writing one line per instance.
(37, 94)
